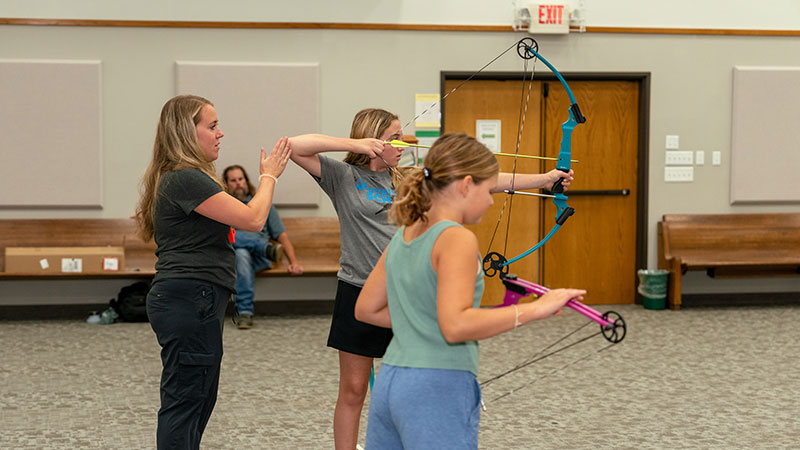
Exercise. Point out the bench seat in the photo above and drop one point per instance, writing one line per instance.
(727, 245)
(316, 242)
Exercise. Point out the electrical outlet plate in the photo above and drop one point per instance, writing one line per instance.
(679, 174)
(679, 158)
(716, 158)
(700, 157)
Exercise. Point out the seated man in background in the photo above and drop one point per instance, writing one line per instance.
(255, 251)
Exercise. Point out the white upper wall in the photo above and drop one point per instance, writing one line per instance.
(721, 14)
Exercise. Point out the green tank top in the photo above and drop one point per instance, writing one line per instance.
(411, 287)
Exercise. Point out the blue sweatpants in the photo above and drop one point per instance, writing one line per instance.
(413, 408)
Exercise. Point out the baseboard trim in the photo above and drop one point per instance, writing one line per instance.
(292, 307)
(82, 311)
(740, 299)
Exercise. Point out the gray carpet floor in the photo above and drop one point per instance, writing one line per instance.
(703, 378)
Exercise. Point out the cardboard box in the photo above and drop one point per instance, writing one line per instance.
(64, 259)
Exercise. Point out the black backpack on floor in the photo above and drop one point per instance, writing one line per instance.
(131, 304)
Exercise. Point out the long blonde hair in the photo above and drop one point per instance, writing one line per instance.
(452, 157)
(175, 148)
(372, 123)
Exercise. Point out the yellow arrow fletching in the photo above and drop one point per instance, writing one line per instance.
(401, 144)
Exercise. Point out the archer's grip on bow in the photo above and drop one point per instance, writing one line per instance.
(558, 188)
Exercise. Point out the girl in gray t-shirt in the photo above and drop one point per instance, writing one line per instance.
(361, 188)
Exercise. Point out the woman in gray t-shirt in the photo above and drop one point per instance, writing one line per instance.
(185, 208)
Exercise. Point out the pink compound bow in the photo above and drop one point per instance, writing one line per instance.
(612, 325)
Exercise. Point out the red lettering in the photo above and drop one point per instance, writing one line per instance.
(551, 14)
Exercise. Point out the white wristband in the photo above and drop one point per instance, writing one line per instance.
(517, 323)
(268, 175)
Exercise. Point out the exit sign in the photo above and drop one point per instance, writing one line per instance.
(551, 18)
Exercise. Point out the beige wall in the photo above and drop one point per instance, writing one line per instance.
(690, 97)
(736, 14)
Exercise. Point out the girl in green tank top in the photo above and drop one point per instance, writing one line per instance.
(427, 287)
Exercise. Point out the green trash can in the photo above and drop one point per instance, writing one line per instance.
(653, 288)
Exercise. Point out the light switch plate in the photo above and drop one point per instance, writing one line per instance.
(679, 158)
(683, 174)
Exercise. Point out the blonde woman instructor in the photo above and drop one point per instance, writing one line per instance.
(185, 208)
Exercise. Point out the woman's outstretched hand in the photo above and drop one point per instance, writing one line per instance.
(274, 163)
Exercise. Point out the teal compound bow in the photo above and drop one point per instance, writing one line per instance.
(495, 262)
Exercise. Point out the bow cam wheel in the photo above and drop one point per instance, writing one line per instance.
(493, 263)
(615, 332)
(524, 45)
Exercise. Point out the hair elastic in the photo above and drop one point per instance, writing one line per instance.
(427, 173)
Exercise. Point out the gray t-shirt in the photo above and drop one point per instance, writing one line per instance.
(190, 245)
(362, 199)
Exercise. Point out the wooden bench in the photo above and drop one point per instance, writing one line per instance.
(316, 242)
(727, 245)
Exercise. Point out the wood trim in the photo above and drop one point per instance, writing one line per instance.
(375, 26)
(251, 25)
(693, 31)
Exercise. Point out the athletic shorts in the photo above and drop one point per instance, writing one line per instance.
(348, 334)
(419, 409)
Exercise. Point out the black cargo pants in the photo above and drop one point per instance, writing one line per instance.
(187, 316)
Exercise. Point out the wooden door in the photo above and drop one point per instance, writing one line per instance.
(596, 247)
(500, 100)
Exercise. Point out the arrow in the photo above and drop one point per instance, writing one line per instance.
(401, 144)
(532, 157)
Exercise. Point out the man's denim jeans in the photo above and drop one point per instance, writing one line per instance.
(251, 257)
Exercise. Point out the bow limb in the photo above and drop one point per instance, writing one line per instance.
(535, 247)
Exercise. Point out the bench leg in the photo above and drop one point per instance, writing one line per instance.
(674, 285)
